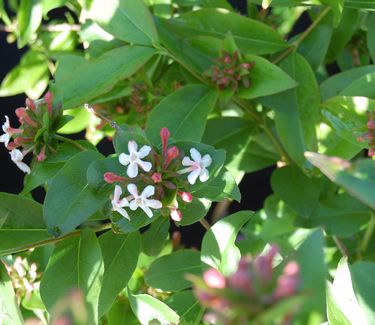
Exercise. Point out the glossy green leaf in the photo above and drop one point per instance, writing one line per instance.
(155, 238)
(371, 34)
(69, 200)
(364, 86)
(120, 256)
(76, 263)
(298, 191)
(168, 272)
(297, 110)
(29, 17)
(128, 21)
(187, 306)
(265, 79)
(194, 211)
(360, 4)
(21, 222)
(357, 178)
(78, 82)
(184, 113)
(80, 121)
(148, 309)
(9, 311)
(218, 247)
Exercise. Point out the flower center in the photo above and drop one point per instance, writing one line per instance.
(138, 201)
(133, 157)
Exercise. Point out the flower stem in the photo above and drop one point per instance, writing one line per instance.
(368, 234)
(340, 245)
(70, 141)
(205, 224)
(51, 240)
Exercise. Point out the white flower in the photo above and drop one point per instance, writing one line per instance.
(17, 156)
(9, 131)
(118, 204)
(133, 159)
(197, 167)
(142, 201)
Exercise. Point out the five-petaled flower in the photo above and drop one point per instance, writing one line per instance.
(9, 131)
(197, 167)
(118, 204)
(142, 201)
(17, 157)
(133, 159)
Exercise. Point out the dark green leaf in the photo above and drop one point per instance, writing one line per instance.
(155, 238)
(187, 306)
(193, 211)
(371, 34)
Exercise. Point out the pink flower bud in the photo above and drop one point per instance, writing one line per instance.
(20, 112)
(227, 59)
(172, 153)
(156, 177)
(48, 97)
(42, 154)
(371, 152)
(241, 279)
(12, 145)
(214, 279)
(287, 283)
(371, 124)
(164, 135)
(30, 104)
(111, 178)
(185, 196)
(176, 215)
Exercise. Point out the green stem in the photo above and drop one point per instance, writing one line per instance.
(297, 42)
(51, 240)
(340, 245)
(70, 141)
(368, 234)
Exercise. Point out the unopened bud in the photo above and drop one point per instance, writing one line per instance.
(172, 153)
(185, 196)
(42, 154)
(11, 145)
(214, 279)
(371, 124)
(164, 135)
(176, 215)
(48, 97)
(20, 112)
(20, 140)
(30, 104)
(111, 178)
(287, 283)
(156, 177)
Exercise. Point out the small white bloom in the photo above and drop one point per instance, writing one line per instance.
(142, 201)
(7, 135)
(133, 159)
(197, 167)
(118, 204)
(17, 157)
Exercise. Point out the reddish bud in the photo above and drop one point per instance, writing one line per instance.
(214, 279)
(241, 279)
(11, 146)
(185, 196)
(30, 104)
(176, 239)
(287, 283)
(48, 97)
(20, 112)
(172, 153)
(371, 152)
(156, 177)
(111, 178)
(227, 59)
(176, 215)
(12, 131)
(20, 140)
(164, 135)
(371, 124)
(42, 154)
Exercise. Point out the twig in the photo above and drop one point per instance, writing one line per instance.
(46, 28)
(220, 210)
(205, 224)
(340, 245)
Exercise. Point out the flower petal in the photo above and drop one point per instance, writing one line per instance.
(5, 138)
(21, 165)
(144, 151)
(132, 188)
(16, 155)
(187, 161)
(123, 213)
(117, 193)
(193, 176)
(6, 124)
(206, 160)
(203, 176)
(155, 204)
(149, 190)
(123, 203)
(124, 159)
(195, 155)
(145, 165)
(147, 210)
(133, 205)
(132, 146)
(132, 170)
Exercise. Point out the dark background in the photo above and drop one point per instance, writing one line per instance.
(254, 188)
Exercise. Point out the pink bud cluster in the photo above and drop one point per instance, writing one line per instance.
(370, 134)
(254, 287)
(229, 71)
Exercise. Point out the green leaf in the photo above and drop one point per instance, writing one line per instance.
(298, 191)
(76, 263)
(80, 121)
(187, 306)
(138, 219)
(362, 274)
(21, 222)
(360, 4)
(120, 256)
(127, 21)
(30, 76)
(334, 85)
(250, 35)
(297, 110)
(218, 246)
(9, 311)
(371, 34)
(29, 17)
(78, 82)
(265, 79)
(357, 178)
(184, 113)
(168, 272)
(364, 86)
(155, 238)
(310, 257)
(69, 200)
(148, 308)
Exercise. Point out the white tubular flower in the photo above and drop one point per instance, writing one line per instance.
(133, 159)
(197, 167)
(8, 131)
(142, 201)
(17, 156)
(118, 204)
